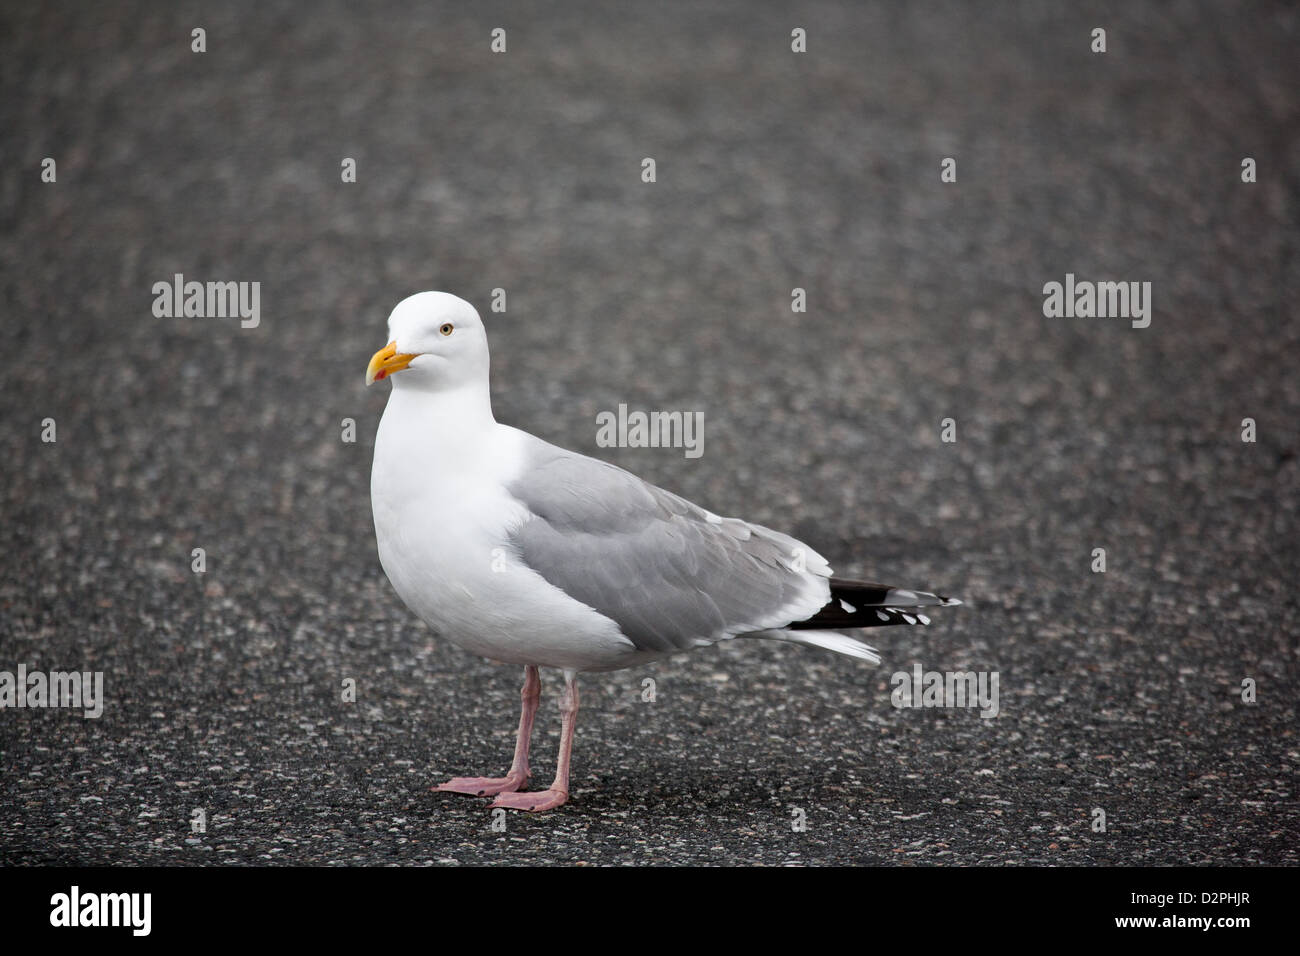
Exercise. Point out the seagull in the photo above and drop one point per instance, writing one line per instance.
(525, 553)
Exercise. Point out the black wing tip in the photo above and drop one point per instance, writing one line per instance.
(863, 604)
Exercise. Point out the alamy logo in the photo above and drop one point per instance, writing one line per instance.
(103, 909)
(208, 300)
(1102, 300)
(651, 430)
(77, 689)
(946, 689)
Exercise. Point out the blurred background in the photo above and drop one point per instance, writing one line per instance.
(775, 170)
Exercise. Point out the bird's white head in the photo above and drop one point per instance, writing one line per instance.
(436, 340)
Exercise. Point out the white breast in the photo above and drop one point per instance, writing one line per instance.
(442, 522)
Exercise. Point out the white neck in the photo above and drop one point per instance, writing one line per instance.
(443, 415)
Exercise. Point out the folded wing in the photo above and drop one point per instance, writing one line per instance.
(669, 573)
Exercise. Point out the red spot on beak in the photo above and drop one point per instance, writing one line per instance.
(380, 374)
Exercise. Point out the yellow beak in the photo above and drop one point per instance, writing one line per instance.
(385, 362)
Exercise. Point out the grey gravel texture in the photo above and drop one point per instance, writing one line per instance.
(775, 170)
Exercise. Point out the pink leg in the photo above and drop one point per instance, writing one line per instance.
(540, 800)
(518, 774)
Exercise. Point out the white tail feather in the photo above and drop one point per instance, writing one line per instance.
(829, 640)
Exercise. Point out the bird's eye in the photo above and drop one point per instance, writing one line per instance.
(445, 328)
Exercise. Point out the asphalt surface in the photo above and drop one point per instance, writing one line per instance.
(1119, 691)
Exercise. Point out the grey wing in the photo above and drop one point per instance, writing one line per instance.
(669, 573)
